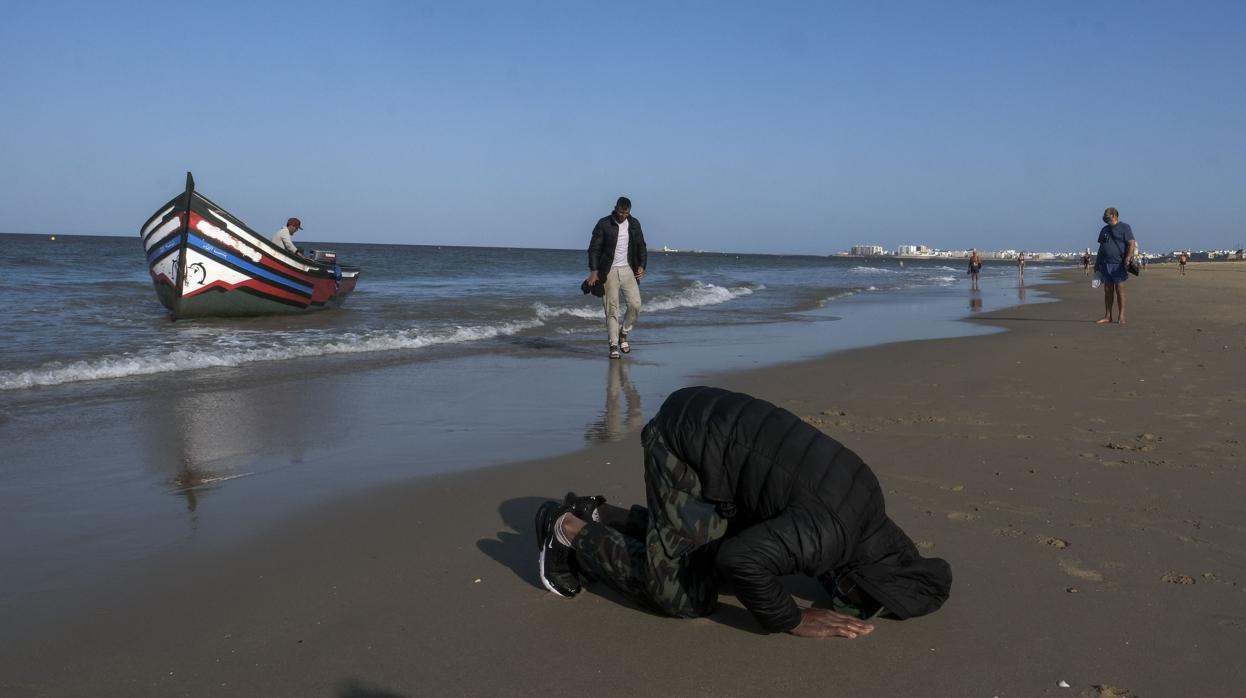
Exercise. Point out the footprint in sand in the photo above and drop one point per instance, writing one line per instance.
(961, 516)
(1213, 577)
(1104, 691)
(1174, 578)
(1070, 567)
(1009, 532)
(1059, 543)
(924, 544)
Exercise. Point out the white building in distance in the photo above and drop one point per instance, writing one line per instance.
(913, 250)
(867, 250)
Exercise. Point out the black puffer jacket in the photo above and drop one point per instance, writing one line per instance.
(606, 235)
(798, 502)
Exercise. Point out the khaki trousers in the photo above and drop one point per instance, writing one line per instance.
(620, 278)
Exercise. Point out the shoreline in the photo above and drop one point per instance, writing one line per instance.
(174, 464)
(1031, 481)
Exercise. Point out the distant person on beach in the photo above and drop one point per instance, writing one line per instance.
(616, 256)
(1181, 260)
(1116, 247)
(746, 492)
(1086, 263)
(1021, 265)
(975, 266)
(284, 238)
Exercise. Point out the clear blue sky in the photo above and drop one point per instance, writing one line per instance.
(769, 127)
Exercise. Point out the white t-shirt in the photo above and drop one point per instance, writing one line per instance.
(284, 241)
(620, 247)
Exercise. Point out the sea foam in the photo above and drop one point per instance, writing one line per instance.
(697, 294)
(124, 366)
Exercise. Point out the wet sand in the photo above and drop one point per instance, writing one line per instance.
(1083, 480)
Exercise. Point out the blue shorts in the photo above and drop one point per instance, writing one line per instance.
(1113, 272)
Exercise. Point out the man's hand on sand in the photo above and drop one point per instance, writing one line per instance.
(823, 622)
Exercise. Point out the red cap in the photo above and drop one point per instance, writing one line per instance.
(294, 224)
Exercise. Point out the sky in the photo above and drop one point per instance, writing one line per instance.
(778, 127)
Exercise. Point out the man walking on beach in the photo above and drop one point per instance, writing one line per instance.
(616, 257)
(744, 491)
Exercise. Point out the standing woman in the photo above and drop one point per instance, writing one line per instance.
(1116, 247)
(1021, 265)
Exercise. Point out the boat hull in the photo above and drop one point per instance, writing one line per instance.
(204, 262)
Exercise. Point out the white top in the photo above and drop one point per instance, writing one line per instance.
(620, 247)
(284, 241)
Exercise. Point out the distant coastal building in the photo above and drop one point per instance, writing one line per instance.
(998, 255)
(867, 250)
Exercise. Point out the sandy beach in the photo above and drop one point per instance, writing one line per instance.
(1084, 481)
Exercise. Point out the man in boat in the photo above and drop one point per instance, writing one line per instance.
(616, 258)
(741, 491)
(284, 238)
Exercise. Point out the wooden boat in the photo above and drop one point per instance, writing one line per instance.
(204, 262)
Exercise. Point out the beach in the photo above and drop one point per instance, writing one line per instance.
(1083, 481)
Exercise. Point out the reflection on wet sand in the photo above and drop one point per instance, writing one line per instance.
(615, 422)
(198, 439)
(1021, 290)
(975, 300)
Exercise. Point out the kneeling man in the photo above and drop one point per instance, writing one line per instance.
(742, 491)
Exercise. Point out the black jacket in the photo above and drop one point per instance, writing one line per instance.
(606, 235)
(798, 502)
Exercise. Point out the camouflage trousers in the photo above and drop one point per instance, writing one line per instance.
(663, 557)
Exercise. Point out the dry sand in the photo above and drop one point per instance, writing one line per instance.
(1084, 481)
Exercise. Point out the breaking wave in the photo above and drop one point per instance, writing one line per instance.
(220, 355)
(698, 294)
(187, 360)
(874, 270)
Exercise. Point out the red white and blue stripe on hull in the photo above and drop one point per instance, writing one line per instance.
(205, 262)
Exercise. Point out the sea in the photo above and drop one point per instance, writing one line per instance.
(128, 436)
